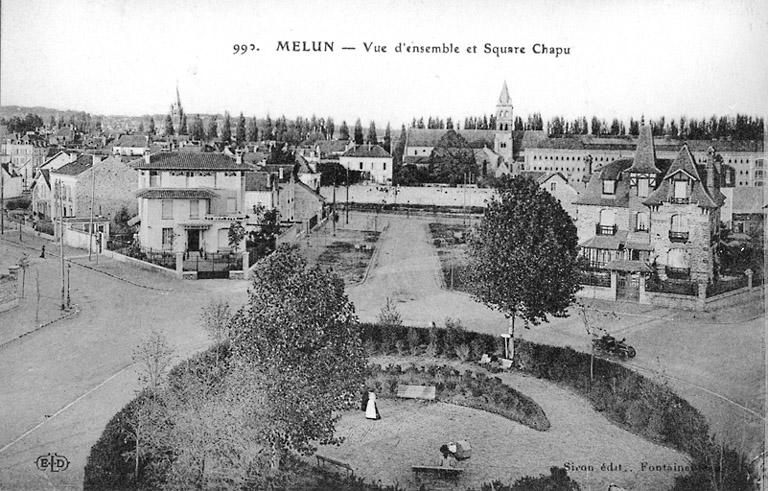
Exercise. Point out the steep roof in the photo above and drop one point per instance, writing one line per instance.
(257, 181)
(645, 153)
(504, 98)
(593, 194)
(367, 151)
(8, 170)
(417, 137)
(190, 161)
(80, 165)
(686, 164)
(176, 193)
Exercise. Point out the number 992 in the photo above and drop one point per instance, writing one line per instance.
(243, 48)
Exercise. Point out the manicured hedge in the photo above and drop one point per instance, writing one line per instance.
(470, 389)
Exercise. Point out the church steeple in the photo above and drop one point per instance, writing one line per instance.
(504, 110)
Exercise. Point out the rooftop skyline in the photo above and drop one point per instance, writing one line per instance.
(693, 58)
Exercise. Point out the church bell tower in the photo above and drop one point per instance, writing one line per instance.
(504, 125)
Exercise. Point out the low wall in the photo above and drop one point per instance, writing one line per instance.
(80, 240)
(673, 300)
(9, 292)
(600, 292)
(140, 264)
(734, 297)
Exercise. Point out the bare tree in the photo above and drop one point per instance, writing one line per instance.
(153, 358)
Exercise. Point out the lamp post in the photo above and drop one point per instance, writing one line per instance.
(346, 208)
(69, 266)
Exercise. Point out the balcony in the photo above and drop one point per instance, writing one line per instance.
(674, 273)
(605, 229)
(676, 236)
(680, 201)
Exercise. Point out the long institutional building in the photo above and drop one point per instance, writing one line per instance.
(534, 150)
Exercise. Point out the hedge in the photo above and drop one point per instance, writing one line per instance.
(469, 389)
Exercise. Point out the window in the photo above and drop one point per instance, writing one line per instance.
(609, 186)
(194, 208)
(553, 186)
(167, 212)
(154, 178)
(681, 190)
(642, 187)
(384, 166)
(167, 238)
(642, 222)
(361, 166)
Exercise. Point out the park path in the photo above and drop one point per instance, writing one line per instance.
(713, 360)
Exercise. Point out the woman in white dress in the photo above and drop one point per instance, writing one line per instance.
(371, 410)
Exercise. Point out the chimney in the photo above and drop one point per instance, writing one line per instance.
(146, 157)
(588, 165)
(711, 169)
(239, 156)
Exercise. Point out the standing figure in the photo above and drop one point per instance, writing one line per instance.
(371, 410)
(42, 252)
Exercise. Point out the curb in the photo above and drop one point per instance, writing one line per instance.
(374, 258)
(69, 260)
(70, 314)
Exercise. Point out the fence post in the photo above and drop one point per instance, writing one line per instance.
(749, 274)
(246, 262)
(614, 284)
(180, 263)
(641, 292)
(701, 298)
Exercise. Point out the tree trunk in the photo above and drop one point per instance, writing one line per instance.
(274, 461)
(136, 462)
(511, 340)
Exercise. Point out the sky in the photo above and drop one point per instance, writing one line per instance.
(652, 57)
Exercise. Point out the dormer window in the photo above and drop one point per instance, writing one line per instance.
(609, 186)
(680, 192)
(642, 187)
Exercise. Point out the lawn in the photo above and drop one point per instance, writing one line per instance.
(450, 240)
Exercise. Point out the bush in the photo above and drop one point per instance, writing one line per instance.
(18, 204)
(462, 351)
(44, 226)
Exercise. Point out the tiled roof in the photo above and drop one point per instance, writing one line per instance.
(324, 147)
(429, 137)
(254, 157)
(593, 194)
(590, 142)
(367, 151)
(686, 163)
(190, 160)
(176, 193)
(645, 154)
(537, 176)
(82, 164)
(612, 242)
(257, 181)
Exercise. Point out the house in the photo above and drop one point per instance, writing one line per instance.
(131, 145)
(371, 160)
(69, 178)
(12, 186)
(306, 173)
(59, 159)
(110, 184)
(42, 195)
(490, 163)
(557, 185)
(187, 201)
(635, 218)
(26, 154)
(298, 203)
(260, 190)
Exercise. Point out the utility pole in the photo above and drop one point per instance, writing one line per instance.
(333, 218)
(90, 226)
(60, 212)
(2, 199)
(346, 208)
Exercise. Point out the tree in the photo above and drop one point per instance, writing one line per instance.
(372, 137)
(226, 128)
(330, 128)
(387, 144)
(452, 160)
(183, 124)
(198, 131)
(264, 236)
(253, 130)
(523, 258)
(344, 131)
(141, 127)
(235, 235)
(152, 131)
(358, 132)
(240, 131)
(299, 339)
(213, 129)
(153, 358)
(168, 125)
(215, 318)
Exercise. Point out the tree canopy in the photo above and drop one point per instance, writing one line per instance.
(298, 333)
(523, 257)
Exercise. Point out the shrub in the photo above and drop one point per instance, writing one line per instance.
(462, 351)
(400, 347)
(414, 340)
(44, 226)
(18, 204)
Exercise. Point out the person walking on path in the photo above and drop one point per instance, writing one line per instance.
(42, 251)
(372, 410)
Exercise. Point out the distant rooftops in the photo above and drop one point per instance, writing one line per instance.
(189, 161)
(367, 151)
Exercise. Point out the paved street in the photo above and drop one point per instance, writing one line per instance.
(713, 360)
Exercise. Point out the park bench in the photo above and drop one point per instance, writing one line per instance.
(321, 460)
(426, 392)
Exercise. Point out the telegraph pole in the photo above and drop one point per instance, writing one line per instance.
(346, 208)
(90, 226)
(333, 218)
(2, 200)
(60, 212)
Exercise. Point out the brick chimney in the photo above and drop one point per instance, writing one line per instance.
(588, 165)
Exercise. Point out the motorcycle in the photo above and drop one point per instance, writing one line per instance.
(610, 345)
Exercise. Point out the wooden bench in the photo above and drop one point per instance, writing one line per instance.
(426, 392)
(321, 460)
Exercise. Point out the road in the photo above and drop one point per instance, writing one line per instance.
(714, 360)
(61, 384)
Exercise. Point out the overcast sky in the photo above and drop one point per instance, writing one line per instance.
(627, 57)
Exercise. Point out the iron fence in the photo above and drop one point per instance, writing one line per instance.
(677, 287)
(723, 286)
(596, 278)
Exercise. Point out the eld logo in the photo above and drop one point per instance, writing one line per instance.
(53, 463)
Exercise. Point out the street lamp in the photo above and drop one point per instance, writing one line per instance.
(69, 266)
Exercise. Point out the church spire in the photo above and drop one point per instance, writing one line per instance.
(504, 99)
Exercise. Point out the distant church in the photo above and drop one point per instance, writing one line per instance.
(177, 111)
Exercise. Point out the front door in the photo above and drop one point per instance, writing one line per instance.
(628, 286)
(193, 240)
